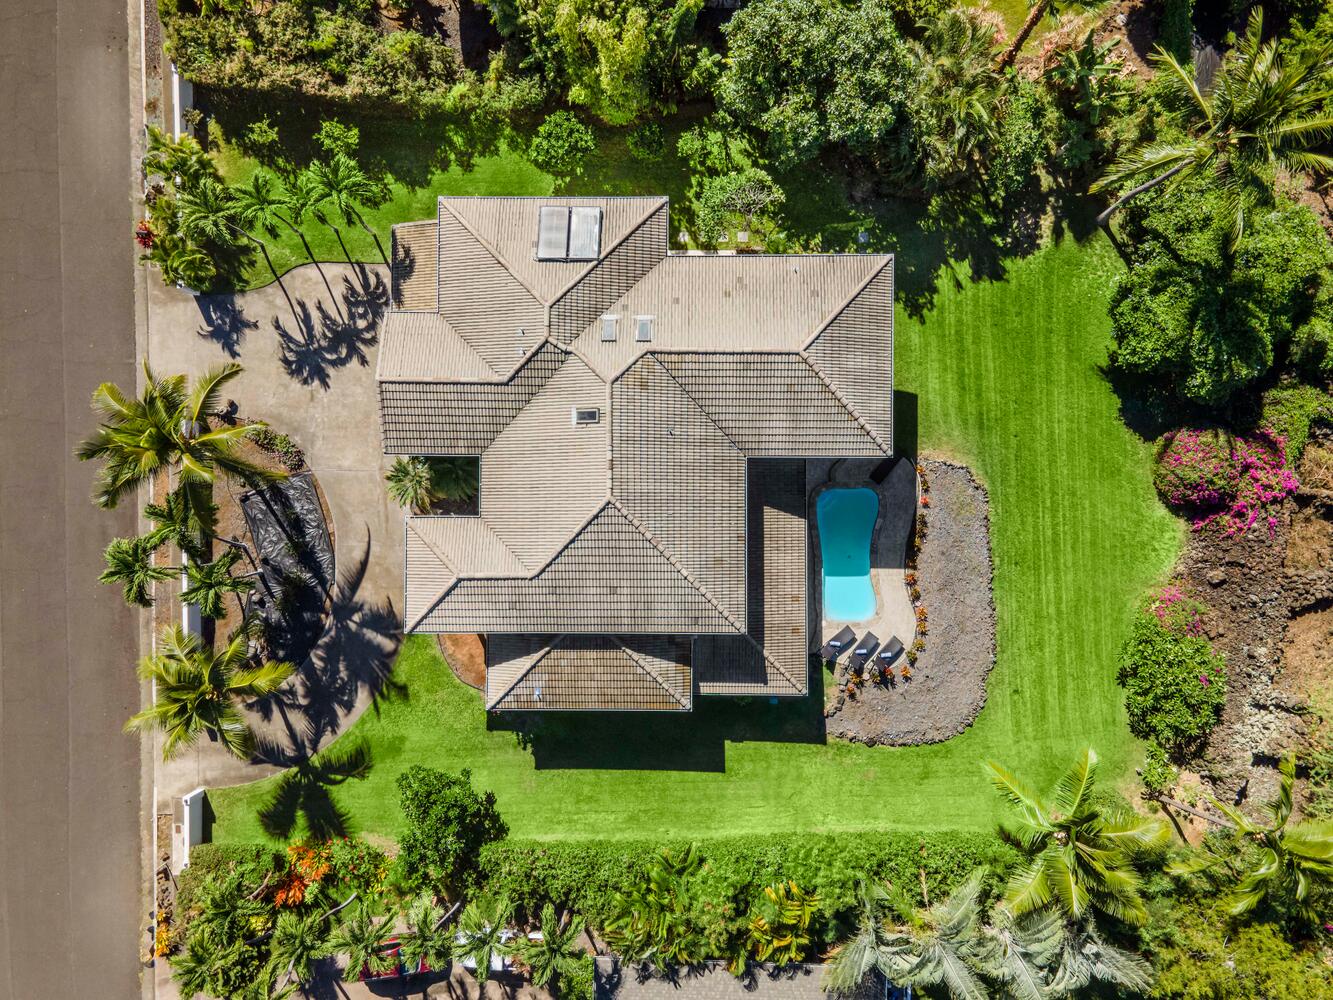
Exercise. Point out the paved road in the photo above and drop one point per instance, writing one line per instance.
(69, 781)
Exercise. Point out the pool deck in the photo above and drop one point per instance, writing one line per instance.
(888, 550)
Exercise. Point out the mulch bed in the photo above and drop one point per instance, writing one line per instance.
(466, 656)
(948, 681)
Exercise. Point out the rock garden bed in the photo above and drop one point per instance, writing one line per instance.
(954, 648)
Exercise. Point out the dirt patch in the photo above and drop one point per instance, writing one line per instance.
(1308, 659)
(466, 656)
(946, 686)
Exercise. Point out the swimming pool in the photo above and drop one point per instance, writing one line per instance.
(846, 519)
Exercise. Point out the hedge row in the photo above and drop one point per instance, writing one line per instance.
(584, 875)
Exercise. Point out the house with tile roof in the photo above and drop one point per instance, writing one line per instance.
(643, 420)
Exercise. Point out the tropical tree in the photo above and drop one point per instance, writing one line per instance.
(482, 928)
(197, 689)
(185, 519)
(129, 562)
(299, 941)
(933, 945)
(211, 582)
(1079, 854)
(344, 187)
(428, 941)
(410, 483)
(261, 204)
(660, 918)
(181, 158)
(1273, 860)
(166, 427)
(1262, 110)
(1086, 959)
(1036, 8)
(361, 938)
(453, 478)
(556, 954)
(869, 947)
(207, 215)
(779, 924)
(1089, 73)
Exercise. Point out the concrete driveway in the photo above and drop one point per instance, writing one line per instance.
(308, 343)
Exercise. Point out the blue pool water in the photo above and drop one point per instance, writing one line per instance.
(846, 519)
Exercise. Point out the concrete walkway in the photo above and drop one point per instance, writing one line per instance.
(308, 344)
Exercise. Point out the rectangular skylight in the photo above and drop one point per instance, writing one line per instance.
(589, 415)
(643, 329)
(552, 232)
(585, 233)
(609, 324)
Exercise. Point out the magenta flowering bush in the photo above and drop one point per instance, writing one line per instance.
(1178, 612)
(1216, 478)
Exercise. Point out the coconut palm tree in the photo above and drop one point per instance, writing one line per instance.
(299, 941)
(129, 562)
(1085, 959)
(178, 520)
(556, 953)
(1079, 855)
(870, 946)
(361, 938)
(427, 942)
(410, 483)
(1036, 8)
(211, 582)
(482, 927)
(197, 689)
(1263, 110)
(166, 427)
(1275, 860)
(933, 945)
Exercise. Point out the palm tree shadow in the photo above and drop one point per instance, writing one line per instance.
(321, 345)
(353, 659)
(224, 322)
(305, 792)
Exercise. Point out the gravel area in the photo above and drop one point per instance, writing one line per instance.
(947, 686)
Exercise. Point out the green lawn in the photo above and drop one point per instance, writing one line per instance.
(1003, 374)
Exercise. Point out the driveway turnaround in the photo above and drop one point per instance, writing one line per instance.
(70, 910)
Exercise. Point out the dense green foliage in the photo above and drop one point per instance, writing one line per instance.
(1197, 321)
(741, 195)
(561, 144)
(448, 824)
(1175, 685)
(294, 49)
(617, 58)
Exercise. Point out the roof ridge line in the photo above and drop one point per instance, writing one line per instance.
(633, 655)
(494, 256)
(541, 655)
(844, 401)
(578, 280)
(379, 357)
(688, 395)
(772, 662)
(842, 307)
(676, 564)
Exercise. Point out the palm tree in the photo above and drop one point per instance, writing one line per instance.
(129, 562)
(344, 186)
(410, 483)
(181, 261)
(1018, 953)
(299, 941)
(362, 937)
(181, 521)
(181, 158)
(482, 927)
(1263, 110)
(933, 945)
(1079, 855)
(427, 942)
(211, 582)
(260, 205)
(1290, 859)
(1036, 8)
(197, 690)
(166, 427)
(869, 948)
(207, 215)
(556, 953)
(299, 200)
(1086, 959)
(453, 478)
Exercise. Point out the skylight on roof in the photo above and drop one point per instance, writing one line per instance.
(569, 233)
(643, 329)
(609, 324)
(581, 415)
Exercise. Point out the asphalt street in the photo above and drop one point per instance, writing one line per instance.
(70, 910)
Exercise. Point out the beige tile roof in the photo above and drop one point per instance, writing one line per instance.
(681, 510)
(590, 673)
(414, 250)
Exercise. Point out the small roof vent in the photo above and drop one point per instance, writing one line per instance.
(643, 329)
(585, 415)
(565, 233)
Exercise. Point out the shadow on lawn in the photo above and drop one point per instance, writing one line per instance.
(666, 741)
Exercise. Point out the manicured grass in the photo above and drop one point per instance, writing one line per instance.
(1001, 374)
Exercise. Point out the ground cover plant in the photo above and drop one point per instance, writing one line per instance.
(1078, 535)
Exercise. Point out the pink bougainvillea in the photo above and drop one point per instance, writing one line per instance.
(1180, 613)
(1230, 481)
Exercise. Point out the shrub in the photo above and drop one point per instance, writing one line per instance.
(262, 139)
(1175, 685)
(251, 861)
(561, 144)
(448, 824)
(578, 983)
(745, 193)
(1289, 410)
(1159, 774)
(334, 137)
(585, 876)
(646, 142)
(1232, 481)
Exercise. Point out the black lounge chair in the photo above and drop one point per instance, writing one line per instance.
(864, 650)
(837, 644)
(891, 651)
